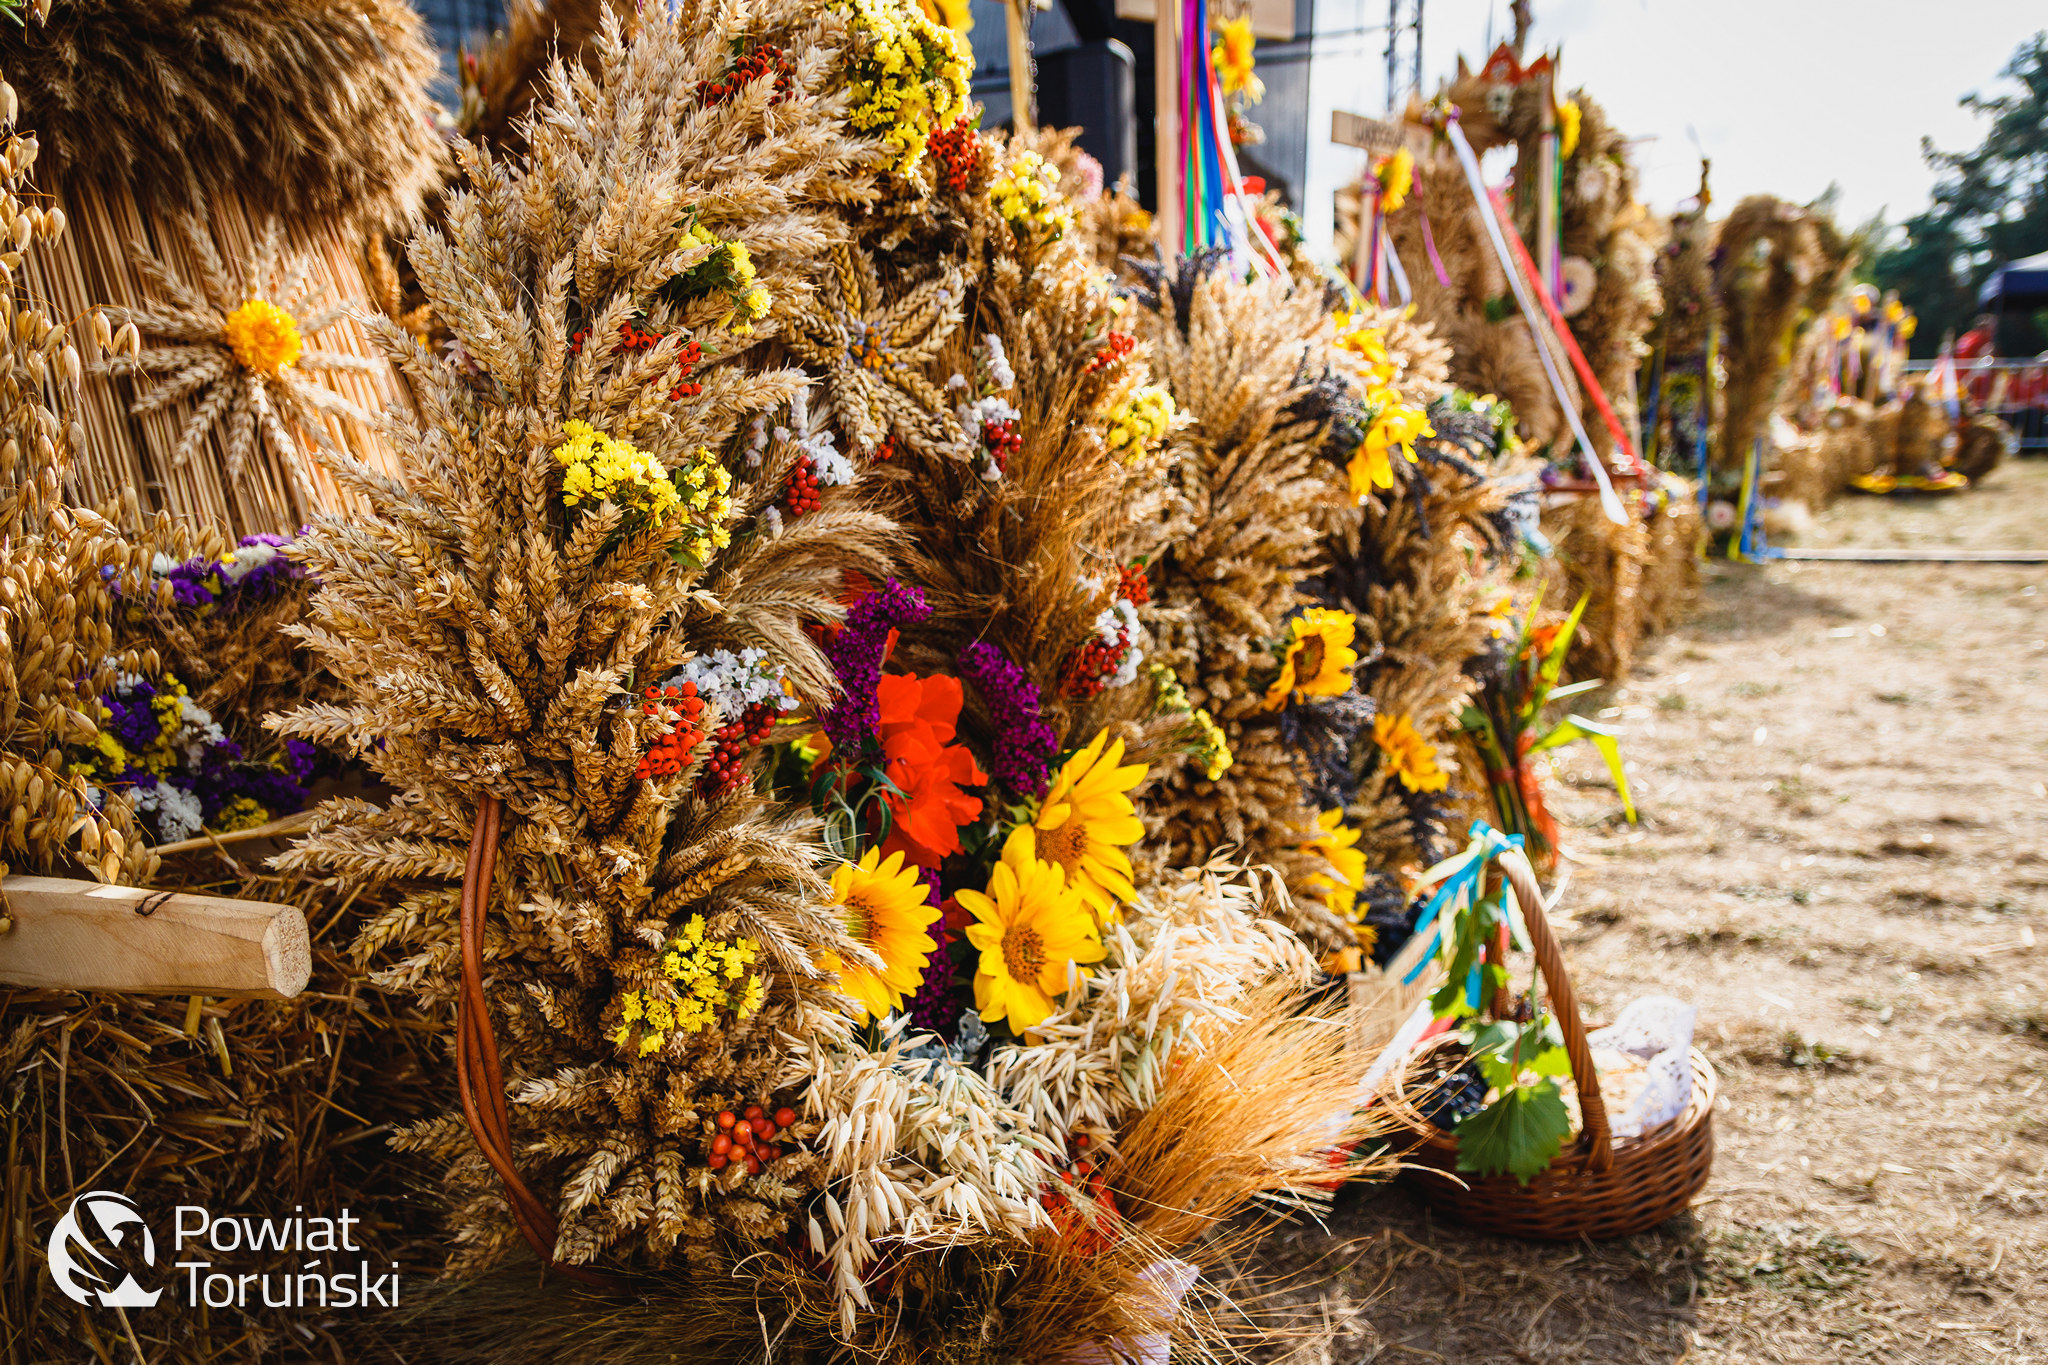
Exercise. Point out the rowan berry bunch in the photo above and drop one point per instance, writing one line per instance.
(957, 150)
(1119, 345)
(680, 708)
(633, 338)
(1003, 439)
(767, 59)
(1090, 667)
(801, 495)
(725, 768)
(748, 1138)
(1083, 1207)
(1133, 586)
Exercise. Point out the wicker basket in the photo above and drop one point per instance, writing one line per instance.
(1599, 1187)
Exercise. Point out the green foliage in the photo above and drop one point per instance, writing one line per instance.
(1990, 206)
(1520, 1133)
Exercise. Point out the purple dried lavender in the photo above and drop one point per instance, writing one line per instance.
(1024, 742)
(856, 655)
(936, 1006)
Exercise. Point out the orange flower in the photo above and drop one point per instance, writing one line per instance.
(918, 720)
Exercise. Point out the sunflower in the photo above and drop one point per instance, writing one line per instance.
(1318, 653)
(1032, 929)
(1085, 820)
(1339, 846)
(1412, 757)
(882, 904)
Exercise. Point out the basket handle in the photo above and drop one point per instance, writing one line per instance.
(1550, 959)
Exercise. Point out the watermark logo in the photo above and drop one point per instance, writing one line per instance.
(94, 1249)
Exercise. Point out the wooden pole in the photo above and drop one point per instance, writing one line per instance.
(1166, 125)
(1022, 115)
(85, 936)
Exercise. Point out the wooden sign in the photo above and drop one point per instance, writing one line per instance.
(84, 936)
(1271, 19)
(1376, 135)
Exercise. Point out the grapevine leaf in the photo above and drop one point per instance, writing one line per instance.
(1520, 1133)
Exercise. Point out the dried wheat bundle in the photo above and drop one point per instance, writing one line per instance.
(587, 521)
(1772, 270)
(308, 109)
(508, 69)
(1244, 361)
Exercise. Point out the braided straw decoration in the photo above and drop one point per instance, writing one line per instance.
(1565, 1005)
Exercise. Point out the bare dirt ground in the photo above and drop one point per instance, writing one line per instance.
(1843, 860)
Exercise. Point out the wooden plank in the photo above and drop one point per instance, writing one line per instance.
(1023, 116)
(68, 935)
(1272, 19)
(1376, 135)
(1917, 556)
(1166, 130)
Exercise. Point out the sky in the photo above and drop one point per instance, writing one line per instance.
(1786, 96)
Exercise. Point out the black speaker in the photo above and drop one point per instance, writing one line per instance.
(1093, 86)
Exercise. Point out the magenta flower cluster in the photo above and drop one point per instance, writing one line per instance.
(857, 653)
(1024, 742)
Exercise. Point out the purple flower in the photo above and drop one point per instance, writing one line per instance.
(936, 1006)
(131, 719)
(1024, 742)
(856, 655)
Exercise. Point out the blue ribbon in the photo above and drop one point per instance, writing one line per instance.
(1487, 844)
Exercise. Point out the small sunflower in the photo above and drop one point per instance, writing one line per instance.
(1318, 656)
(1412, 757)
(1338, 843)
(1032, 929)
(1086, 819)
(882, 904)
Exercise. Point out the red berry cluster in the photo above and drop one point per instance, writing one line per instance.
(1090, 1228)
(725, 769)
(1120, 345)
(748, 1136)
(1090, 666)
(1003, 440)
(887, 451)
(958, 151)
(802, 494)
(634, 338)
(760, 62)
(679, 707)
(1133, 586)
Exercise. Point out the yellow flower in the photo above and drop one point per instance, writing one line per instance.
(1396, 174)
(1393, 424)
(263, 336)
(1234, 60)
(241, 813)
(882, 904)
(595, 468)
(1894, 312)
(1318, 654)
(1841, 328)
(1033, 930)
(1569, 116)
(1412, 758)
(954, 14)
(1027, 195)
(1212, 745)
(1140, 422)
(909, 75)
(1339, 846)
(1379, 368)
(1086, 819)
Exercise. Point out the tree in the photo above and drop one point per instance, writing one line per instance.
(1990, 206)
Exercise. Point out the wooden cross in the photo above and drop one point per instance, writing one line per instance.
(84, 936)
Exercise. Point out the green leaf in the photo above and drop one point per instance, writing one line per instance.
(1519, 1133)
(1602, 737)
(1573, 689)
(1553, 662)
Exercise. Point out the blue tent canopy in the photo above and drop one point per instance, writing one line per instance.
(2017, 284)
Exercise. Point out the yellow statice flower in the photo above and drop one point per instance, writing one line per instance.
(598, 469)
(1033, 930)
(703, 976)
(1318, 657)
(728, 270)
(1378, 368)
(1140, 423)
(1396, 174)
(1411, 757)
(1234, 60)
(704, 489)
(263, 336)
(908, 75)
(1338, 843)
(1086, 821)
(244, 812)
(882, 903)
(1212, 746)
(957, 15)
(1027, 195)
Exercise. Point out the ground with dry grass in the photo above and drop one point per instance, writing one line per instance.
(1843, 861)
